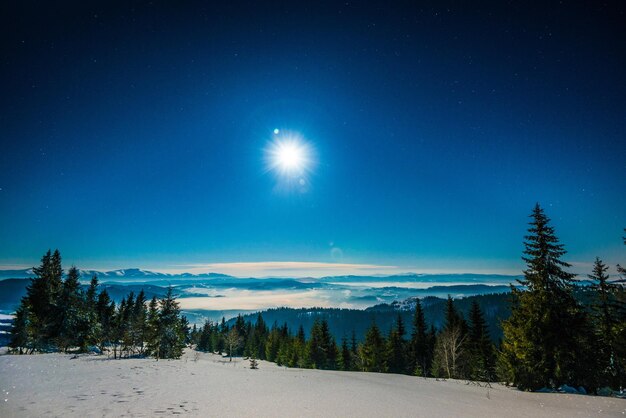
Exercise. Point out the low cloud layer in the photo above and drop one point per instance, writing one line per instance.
(288, 269)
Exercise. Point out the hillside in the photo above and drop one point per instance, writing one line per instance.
(207, 385)
(343, 321)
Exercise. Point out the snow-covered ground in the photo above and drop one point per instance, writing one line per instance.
(207, 385)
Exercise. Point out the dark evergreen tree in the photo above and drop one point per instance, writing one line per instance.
(298, 358)
(345, 356)
(139, 323)
(544, 338)
(105, 311)
(41, 297)
(396, 360)
(354, 346)
(329, 346)
(90, 328)
(373, 351)
(171, 327)
(482, 361)
(69, 313)
(400, 326)
(316, 357)
(21, 334)
(608, 319)
(205, 341)
(421, 355)
(153, 329)
(272, 344)
(186, 329)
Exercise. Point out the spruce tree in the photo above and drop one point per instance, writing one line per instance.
(316, 355)
(36, 322)
(299, 349)
(272, 344)
(41, 297)
(21, 338)
(345, 355)
(544, 337)
(329, 346)
(373, 351)
(138, 322)
(420, 360)
(153, 329)
(396, 348)
(105, 310)
(205, 342)
(171, 328)
(90, 327)
(482, 361)
(607, 319)
(69, 312)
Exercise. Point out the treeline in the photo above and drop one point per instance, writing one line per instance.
(462, 349)
(342, 321)
(57, 314)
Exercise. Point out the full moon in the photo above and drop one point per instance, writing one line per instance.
(289, 155)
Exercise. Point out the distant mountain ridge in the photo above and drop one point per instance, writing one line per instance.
(130, 273)
(137, 273)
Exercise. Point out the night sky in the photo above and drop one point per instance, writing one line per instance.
(137, 134)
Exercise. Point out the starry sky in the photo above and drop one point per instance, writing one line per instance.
(135, 134)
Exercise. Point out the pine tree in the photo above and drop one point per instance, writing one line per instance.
(400, 326)
(105, 310)
(56, 273)
(396, 348)
(482, 360)
(607, 318)
(373, 351)
(171, 329)
(329, 346)
(300, 335)
(205, 342)
(420, 355)
(299, 349)
(316, 357)
(354, 346)
(69, 310)
(21, 338)
(544, 337)
(118, 327)
(138, 323)
(153, 329)
(90, 327)
(41, 297)
(345, 356)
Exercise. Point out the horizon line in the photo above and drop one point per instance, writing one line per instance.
(295, 269)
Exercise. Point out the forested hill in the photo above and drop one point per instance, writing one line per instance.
(342, 322)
